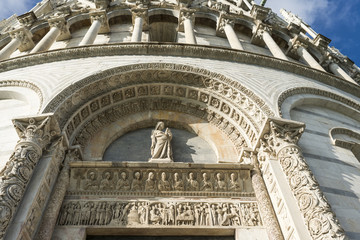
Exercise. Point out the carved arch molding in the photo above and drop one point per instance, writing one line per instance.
(86, 107)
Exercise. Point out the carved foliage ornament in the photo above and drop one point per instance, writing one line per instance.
(281, 142)
(35, 135)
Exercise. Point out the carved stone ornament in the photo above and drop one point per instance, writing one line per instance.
(259, 12)
(161, 150)
(176, 179)
(141, 13)
(280, 142)
(61, 24)
(27, 19)
(24, 36)
(186, 14)
(171, 213)
(35, 135)
(294, 45)
(223, 21)
(102, 17)
(257, 37)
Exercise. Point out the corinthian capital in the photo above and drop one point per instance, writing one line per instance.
(257, 37)
(223, 21)
(102, 18)
(186, 14)
(61, 24)
(141, 13)
(24, 36)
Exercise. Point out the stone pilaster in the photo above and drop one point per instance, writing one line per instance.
(36, 133)
(52, 210)
(280, 142)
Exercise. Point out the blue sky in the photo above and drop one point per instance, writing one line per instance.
(335, 19)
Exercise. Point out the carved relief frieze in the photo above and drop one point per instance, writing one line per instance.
(136, 181)
(169, 213)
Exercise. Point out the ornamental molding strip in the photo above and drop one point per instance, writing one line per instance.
(178, 50)
(306, 90)
(279, 141)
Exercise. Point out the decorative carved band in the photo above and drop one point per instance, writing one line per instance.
(136, 181)
(158, 213)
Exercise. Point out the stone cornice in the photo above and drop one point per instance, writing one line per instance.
(183, 50)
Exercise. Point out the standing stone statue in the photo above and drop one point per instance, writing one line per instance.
(160, 144)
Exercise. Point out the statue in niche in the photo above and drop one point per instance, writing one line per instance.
(234, 184)
(192, 183)
(91, 183)
(160, 144)
(105, 183)
(220, 184)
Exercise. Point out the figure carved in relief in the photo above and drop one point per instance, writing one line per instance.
(234, 184)
(160, 144)
(91, 183)
(136, 184)
(150, 184)
(155, 217)
(105, 183)
(193, 184)
(206, 185)
(164, 184)
(220, 184)
(178, 184)
(123, 183)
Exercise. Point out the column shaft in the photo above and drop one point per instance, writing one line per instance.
(189, 32)
(9, 49)
(232, 38)
(46, 42)
(273, 47)
(308, 58)
(91, 34)
(137, 32)
(338, 71)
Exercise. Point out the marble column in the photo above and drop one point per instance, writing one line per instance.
(58, 31)
(99, 24)
(300, 49)
(263, 31)
(139, 20)
(338, 71)
(226, 26)
(21, 39)
(186, 23)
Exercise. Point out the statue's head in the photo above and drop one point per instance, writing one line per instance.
(160, 126)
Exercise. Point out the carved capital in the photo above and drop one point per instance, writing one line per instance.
(24, 36)
(259, 12)
(183, 15)
(321, 41)
(257, 37)
(27, 19)
(141, 13)
(102, 18)
(61, 24)
(294, 45)
(223, 21)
